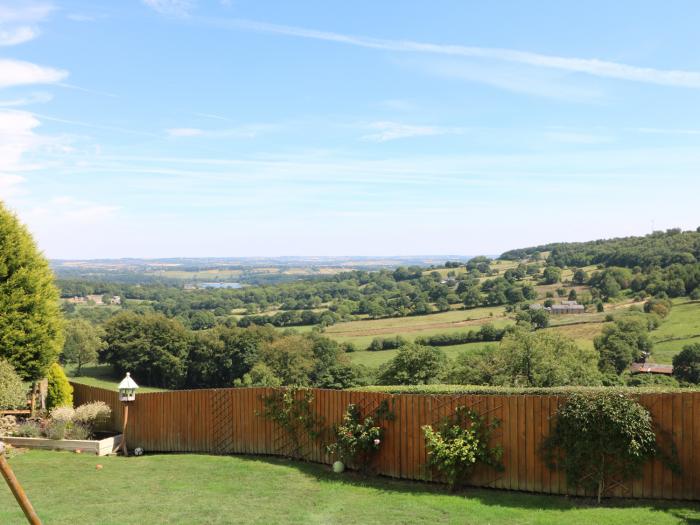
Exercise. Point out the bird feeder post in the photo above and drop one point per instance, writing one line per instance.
(17, 489)
(127, 394)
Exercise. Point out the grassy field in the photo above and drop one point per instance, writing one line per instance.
(102, 376)
(196, 489)
(680, 328)
(362, 332)
(374, 359)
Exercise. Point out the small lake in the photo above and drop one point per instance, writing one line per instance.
(220, 285)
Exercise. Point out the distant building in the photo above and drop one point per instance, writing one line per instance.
(116, 300)
(76, 300)
(651, 368)
(567, 307)
(95, 298)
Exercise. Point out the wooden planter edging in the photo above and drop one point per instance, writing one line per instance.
(100, 447)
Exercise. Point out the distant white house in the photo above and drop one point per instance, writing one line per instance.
(565, 307)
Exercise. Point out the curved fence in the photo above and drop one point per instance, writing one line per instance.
(228, 421)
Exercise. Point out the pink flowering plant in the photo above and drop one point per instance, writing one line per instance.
(359, 438)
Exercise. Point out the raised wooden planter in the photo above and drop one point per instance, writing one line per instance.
(100, 447)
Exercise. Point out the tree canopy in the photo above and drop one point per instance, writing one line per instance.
(31, 332)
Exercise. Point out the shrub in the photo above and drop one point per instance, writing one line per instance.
(60, 392)
(30, 429)
(12, 391)
(686, 364)
(460, 443)
(599, 439)
(92, 414)
(8, 425)
(358, 439)
(57, 428)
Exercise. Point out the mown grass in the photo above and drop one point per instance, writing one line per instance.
(196, 489)
(102, 376)
(680, 328)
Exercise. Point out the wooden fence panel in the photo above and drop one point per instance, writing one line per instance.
(225, 421)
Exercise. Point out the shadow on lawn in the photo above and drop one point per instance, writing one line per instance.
(686, 511)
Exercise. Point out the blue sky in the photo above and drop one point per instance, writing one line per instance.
(158, 128)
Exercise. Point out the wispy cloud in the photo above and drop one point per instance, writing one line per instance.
(515, 78)
(384, 131)
(668, 131)
(575, 137)
(32, 98)
(18, 73)
(18, 21)
(177, 8)
(242, 132)
(184, 132)
(589, 66)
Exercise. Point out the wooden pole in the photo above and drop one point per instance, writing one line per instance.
(17, 489)
(122, 445)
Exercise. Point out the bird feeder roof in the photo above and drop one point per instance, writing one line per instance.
(128, 383)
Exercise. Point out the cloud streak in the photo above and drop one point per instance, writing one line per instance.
(588, 66)
(20, 73)
(385, 131)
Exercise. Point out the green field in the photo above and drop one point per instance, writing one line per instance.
(374, 359)
(101, 376)
(680, 328)
(67, 489)
(362, 332)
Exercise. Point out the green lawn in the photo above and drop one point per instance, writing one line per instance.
(102, 376)
(66, 488)
(681, 327)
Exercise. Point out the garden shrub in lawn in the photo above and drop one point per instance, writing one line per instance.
(602, 439)
(459, 443)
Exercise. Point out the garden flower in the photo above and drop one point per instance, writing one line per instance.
(377, 441)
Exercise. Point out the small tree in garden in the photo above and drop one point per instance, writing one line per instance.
(358, 439)
(601, 440)
(459, 444)
(59, 392)
(83, 343)
(292, 409)
(12, 392)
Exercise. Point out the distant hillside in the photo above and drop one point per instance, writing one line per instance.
(656, 249)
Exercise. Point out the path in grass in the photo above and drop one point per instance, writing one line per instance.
(66, 489)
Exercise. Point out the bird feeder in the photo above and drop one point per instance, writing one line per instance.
(127, 394)
(127, 389)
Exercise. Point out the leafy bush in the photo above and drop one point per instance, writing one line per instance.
(60, 392)
(460, 443)
(12, 392)
(8, 425)
(30, 429)
(358, 439)
(57, 428)
(68, 423)
(600, 439)
(92, 414)
(686, 364)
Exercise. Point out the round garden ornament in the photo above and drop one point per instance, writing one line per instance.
(338, 467)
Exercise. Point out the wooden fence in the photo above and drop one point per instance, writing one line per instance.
(227, 421)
